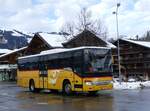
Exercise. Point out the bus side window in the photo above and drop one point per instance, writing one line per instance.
(77, 65)
(42, 66)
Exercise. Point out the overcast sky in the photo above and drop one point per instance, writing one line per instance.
(50, 15)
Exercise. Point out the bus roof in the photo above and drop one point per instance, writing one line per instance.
(59, 50)
(56, 52)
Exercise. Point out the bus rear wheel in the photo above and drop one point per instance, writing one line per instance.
(32, 86)
(67, 89)
(54, 91)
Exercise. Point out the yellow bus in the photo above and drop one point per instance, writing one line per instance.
(82, 69)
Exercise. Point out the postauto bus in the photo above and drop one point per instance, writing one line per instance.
(81, 69)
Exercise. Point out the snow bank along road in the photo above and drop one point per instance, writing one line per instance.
(131, 85)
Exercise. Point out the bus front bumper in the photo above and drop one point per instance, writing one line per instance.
(97, 87)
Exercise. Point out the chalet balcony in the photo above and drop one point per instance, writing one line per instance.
(146, 59)
(129, 52)
(132, 60)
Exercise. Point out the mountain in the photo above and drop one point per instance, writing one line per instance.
(13, 39)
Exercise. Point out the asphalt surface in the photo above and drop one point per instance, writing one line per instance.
(13, 98)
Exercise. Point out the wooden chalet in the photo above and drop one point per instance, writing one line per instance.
(44, 41)
(135, 59)
(87, 38)
(8, 67)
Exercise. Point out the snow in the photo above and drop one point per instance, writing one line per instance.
(4, 67)
(110, 45)
(12, 51)
(131, 85)
(142, 43)
(54, 40)
(8, 66)
(3, 51)
(126, 85)
(16, 33)
(146, 83)
(29, 40)
(30, 34)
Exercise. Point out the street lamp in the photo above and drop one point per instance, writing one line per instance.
(119, 67)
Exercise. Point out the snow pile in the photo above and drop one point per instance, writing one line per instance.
(126, 85)
(146, 84)
(131, 85)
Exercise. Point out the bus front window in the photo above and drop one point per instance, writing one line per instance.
(97, 61)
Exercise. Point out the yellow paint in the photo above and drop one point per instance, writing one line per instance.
(55, 79)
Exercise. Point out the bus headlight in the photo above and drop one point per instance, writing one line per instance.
(88, 83)
(97, 83)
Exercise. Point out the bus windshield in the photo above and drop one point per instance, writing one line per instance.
(97, 61)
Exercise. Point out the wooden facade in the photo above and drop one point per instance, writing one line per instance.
(134, 59)
(8, 67)
(85, 38)
(11, 57)
(37, 45)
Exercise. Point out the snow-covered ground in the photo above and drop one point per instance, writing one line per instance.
(131, 85)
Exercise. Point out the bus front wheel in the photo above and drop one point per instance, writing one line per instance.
(93, 92)
(67, 89)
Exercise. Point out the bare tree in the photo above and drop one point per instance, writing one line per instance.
(68, 28)
(84, 21)
(146, 36)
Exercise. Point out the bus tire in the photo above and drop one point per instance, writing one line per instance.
(32, 86)
(93, 92)
(67, 89)
(54, 91)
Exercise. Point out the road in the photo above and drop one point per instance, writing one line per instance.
(13, 98)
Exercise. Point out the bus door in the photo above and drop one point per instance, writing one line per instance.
(43, 75)
(78, 83)
(78, 67)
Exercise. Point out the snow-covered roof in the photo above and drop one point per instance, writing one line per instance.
(54, 40)
(141, 43)
(59, 50)
(8, 66)
(29, 39)
(13, 51)
(4, 67)
(110, 45)
(3, 51)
